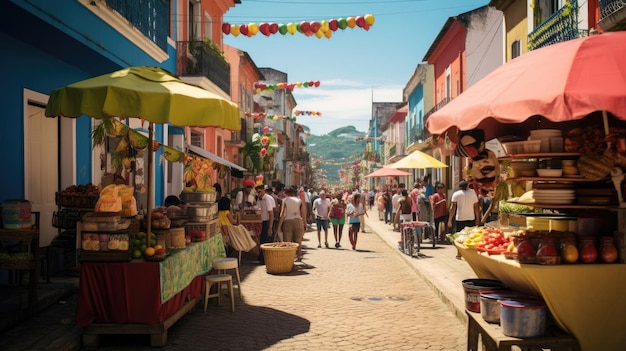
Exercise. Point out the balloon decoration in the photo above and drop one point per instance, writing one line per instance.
(259, 87)
(307, 113)
(319, 29)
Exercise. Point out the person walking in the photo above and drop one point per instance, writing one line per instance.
(464, 208)
(440, 211)
(362, 217)
(380, 204)
(292, 222)
(405, 207)
(338, 218)
(354, 210)
(387, 195)
(321, 210)
(395, 209)
(267, 204)
(414, 194)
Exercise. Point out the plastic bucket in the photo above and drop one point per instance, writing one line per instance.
(472, 288)
(16, 214)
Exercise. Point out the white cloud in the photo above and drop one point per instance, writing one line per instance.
(342, 103)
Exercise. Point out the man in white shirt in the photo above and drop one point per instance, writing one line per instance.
(321, 210)
(267, 205)
(464, 208)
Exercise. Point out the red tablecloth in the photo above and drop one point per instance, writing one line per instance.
(130, 292)
(124, 293)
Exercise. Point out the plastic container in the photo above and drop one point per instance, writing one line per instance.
(16, 214)
(472, 289)
(522, 318)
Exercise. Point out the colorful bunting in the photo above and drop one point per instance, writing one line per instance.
(259, 87)
(270, 117)
(319, 29)
(308, 113)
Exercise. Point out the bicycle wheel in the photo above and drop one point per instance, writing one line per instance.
(417, 233)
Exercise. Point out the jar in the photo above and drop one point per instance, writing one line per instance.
(569, 251)
(526, 252)
(608, 251)
(588, 250)
(546, 251)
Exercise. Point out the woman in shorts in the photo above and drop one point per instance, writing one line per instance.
(338, 218)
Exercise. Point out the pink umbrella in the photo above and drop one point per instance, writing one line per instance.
(387, 172)
(562, 82)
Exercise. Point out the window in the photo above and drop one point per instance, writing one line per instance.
(516, 49)
(196, 139)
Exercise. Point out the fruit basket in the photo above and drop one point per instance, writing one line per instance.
(279, 257)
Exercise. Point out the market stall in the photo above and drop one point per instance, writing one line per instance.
(567, 160)
(585, 300)
(114, 295)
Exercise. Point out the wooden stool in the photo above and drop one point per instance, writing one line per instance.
(223, 264)
(218, 279)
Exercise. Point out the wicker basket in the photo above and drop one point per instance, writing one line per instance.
(279, 257)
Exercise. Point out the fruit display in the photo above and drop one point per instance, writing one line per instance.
(79, 196)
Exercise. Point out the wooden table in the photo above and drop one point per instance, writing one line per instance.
(585, 300)
(492, 338)
(140, 297)
(28, 242)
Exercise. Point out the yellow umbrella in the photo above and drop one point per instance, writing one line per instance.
(150, 93)
(418, 160)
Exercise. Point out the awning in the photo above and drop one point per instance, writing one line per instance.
(213, 157)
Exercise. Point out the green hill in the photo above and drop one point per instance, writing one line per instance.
(336, 150)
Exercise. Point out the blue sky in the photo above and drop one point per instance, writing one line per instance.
(355, 67)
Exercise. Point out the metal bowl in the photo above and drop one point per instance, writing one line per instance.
(201, 210)
(198, 196)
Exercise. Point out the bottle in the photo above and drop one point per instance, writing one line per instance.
(608, 251)
(587, 249)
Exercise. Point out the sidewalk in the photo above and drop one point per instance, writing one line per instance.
(438, 266)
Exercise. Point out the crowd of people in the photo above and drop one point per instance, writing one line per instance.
(287, 212)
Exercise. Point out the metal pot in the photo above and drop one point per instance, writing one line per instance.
(198, 210)
(198, 196)
(489, 306)
(522, 319)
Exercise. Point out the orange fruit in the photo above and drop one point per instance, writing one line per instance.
(157, 247)
(569, 254)
(149, 251)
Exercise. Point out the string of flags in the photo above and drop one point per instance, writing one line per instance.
(259, 87)
(319, 29)
(307, 113)
(258, 115)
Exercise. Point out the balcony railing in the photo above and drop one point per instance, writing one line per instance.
(150, 17)
(439, 105)
(416, 133)
(608, 7)
(559, 27)
(612, 15)
(198, 58)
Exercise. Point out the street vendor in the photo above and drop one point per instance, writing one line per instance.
(245, 197)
